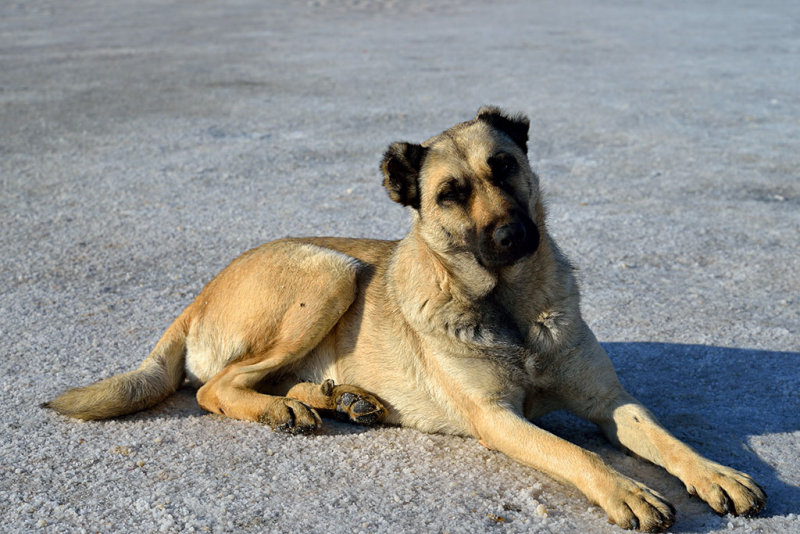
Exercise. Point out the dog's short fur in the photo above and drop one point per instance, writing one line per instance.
(469, 325)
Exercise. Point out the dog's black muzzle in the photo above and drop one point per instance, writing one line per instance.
(509, 241)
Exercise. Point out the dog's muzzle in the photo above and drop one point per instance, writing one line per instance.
(509, 242)
(509, 236)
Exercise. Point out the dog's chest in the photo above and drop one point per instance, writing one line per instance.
(486, 324)
(529, 355)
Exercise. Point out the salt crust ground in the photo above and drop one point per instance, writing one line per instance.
(143, 144)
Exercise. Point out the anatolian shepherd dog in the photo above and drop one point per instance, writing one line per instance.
(469, 325)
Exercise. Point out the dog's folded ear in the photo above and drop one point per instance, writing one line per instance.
(516, 127)
(401, 166)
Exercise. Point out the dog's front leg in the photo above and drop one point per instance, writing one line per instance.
(596, 394)
(628, 503)
(626, 422)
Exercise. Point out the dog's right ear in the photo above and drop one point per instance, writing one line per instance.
(401, 166)
(514, 126)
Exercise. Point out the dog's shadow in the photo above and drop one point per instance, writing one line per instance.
(731, 405)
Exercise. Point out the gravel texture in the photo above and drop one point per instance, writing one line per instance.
(144, 144)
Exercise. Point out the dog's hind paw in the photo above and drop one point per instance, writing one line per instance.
(291, 416)
(351, 403)
(358, 409)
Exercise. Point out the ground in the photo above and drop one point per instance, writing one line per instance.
(144, 144)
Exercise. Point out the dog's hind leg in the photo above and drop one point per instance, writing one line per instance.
(234, 390)
(282, 321)
(346, 402)
(232, 393)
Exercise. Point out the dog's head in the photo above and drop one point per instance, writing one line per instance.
(472, 188)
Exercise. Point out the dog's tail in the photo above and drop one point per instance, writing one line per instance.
(159, 375)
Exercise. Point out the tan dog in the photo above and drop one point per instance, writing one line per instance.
(469, 325)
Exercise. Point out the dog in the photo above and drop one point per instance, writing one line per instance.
(469, 325)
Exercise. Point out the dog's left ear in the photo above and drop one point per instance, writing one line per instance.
(401, 166)
(516, 127)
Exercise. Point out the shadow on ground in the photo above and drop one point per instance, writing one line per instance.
(721, 401)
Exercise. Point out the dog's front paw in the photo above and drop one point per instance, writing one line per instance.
(726, 490)
(292, 416)
(632, 505)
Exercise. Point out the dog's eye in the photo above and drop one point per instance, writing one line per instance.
(452, 194)
(503, 165)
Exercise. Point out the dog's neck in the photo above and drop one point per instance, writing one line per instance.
(456, 275)
(435, 295)
(541, 293)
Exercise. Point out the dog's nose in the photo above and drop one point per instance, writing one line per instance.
(509, 235)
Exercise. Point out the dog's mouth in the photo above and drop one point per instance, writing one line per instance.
(504, 245)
